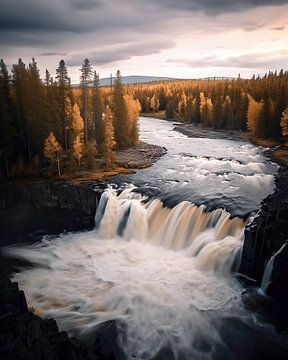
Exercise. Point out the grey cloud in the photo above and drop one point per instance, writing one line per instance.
(28, 21)
(20, 39)
(85, 4)
(123, 52)
(27, 15)
(68, 24)
(53, 54)
(219, 6)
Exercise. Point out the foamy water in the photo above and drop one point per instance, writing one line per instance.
(163, 274)
(218, 173)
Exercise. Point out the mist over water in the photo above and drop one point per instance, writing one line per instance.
(164, 274)
(166, 279)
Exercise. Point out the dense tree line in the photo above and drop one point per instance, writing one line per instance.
(256, 104)
(51, 121)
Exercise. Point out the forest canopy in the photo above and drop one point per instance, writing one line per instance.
(49, 122)
(89, 121)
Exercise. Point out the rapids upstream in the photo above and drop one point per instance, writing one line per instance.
(163, 274)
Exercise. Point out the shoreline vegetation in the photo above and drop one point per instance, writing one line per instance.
(80, 129)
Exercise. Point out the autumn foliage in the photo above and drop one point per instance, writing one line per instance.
(51, 120)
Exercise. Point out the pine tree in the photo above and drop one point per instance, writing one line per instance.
(19, 88)
(36, 108)
(98, 109)
(8, 128)
(85, 80)
(47, 79)
(109, 139)
(120, 118)
(52, 150)
(63, 86)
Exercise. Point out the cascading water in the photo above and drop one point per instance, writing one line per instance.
(162, 273)
(212, 237)
(266, 278)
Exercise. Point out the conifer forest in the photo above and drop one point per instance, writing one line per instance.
(49, 122)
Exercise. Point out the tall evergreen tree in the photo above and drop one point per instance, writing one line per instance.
(63, 87)
(19, 88)
(120, 117)
(85, 80)
(36, 110)
(8, 129)
(97, 111)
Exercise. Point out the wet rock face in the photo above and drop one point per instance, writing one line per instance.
(265, 236)
(45, 208)
(26, 336)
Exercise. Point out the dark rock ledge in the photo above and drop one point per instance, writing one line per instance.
(45, 207)
(265, 236)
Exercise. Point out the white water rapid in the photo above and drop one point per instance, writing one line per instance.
(163, 274)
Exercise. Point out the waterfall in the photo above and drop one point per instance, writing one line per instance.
(214, 238)
(266, 278)
(163, 274)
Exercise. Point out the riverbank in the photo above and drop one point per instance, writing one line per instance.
(32, 208)
(192, 130)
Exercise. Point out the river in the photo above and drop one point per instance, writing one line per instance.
(164, 274)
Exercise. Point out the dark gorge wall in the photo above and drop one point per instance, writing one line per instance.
(265, 236)
(45, 208)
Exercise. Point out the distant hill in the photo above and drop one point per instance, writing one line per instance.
(135, 79)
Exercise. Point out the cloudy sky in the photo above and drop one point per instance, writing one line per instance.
(176, 38)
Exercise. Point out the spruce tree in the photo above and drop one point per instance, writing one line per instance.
(19, 88)
(97, 111)
(63, 88)
(8, 128)
(120, 117)
(36, 110)
(85, 80)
